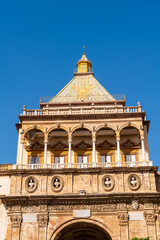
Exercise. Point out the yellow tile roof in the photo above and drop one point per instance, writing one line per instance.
(83, 88)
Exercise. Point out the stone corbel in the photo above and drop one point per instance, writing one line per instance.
(16, 221)
(123, 218)
(42, 220)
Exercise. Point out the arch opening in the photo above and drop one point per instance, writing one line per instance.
(83, 231)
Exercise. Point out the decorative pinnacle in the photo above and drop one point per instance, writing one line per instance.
(83, 49)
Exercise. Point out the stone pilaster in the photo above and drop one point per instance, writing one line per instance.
(123, 222)
(16, 221)
(150, 218)
(42, 226)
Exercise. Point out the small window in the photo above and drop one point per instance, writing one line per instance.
(59, 159)
(130, 158)
(34, 160)
(106, 158)
(79, 159)
(82, 161)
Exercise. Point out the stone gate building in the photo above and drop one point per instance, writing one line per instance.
(83, 169)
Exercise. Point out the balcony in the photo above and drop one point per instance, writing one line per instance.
(81, 111)
(82, 165)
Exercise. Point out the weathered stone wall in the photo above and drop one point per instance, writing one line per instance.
(91, 181)
(38, 210)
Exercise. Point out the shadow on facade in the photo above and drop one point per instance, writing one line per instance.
(82, 231)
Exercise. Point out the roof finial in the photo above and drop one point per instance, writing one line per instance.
(83, 49)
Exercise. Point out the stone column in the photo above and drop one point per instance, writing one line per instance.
(69, 154)
(42, 226)
(21, 152)
(16, 221)
(45, 150)
(45, 154)
(93, 149)
(69, 149)
(118, 149)
(123, 223)
(143, 148)
(150, 218)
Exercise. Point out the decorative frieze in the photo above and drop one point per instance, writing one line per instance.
(16, 220)
(95, 208)
(121, 206)
(42, 220)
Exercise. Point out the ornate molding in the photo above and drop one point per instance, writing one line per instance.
(35, 146)
(129, 144)
(105, 145)
(123, 218)
(94, 208)
(16, 220)
(42, 220)
(58, 146)
(135, 204)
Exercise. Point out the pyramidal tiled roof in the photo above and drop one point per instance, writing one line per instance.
(83, 88)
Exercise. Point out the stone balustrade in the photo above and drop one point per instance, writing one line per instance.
(5, 166)
(79, 111)
(82, 165)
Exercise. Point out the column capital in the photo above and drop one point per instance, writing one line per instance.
(42, 220)
(123, 218)
(22, 140)
(117, 135)
(93, 136)
(45, 138)
(150, 218)
(16, 221)
(117, 138)
(69, 136)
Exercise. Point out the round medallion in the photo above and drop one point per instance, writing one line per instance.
(108, 182)
(31, 184)
(57, 184)
(134, 182)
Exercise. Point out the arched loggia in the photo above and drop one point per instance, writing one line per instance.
(130, 143)
(34, 147)
(58, 146)
(105, 146)
(82, 147)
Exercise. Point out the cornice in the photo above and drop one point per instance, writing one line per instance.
(88, 199)
(49, 171)
(81, 117)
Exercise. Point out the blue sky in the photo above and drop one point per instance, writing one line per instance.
(41, 42)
